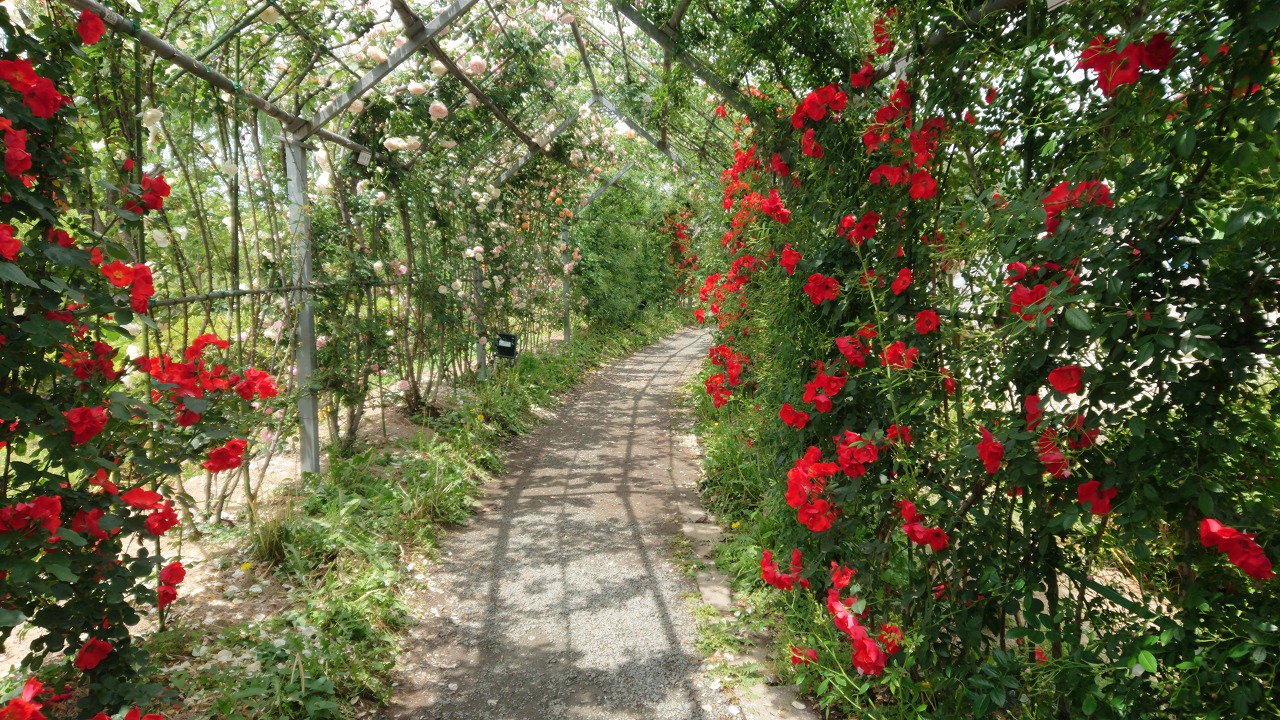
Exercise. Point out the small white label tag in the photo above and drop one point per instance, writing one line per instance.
(363, 158)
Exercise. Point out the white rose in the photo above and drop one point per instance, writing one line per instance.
(438, 111)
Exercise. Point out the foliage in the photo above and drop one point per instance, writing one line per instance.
(1053, 217)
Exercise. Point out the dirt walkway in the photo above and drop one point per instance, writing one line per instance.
(558, 601)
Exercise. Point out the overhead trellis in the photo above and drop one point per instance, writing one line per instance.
(496, 128)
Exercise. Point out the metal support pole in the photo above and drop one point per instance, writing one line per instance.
(300, 225)
(477, 278)
(565, 256)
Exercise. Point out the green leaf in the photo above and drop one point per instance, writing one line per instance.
(10, 618)
(70, 536)
(1147, 661)
(1204, 501)
(59, 568)
(1077, 319)
(1186, 142)
(12, 273)
(1089, 705)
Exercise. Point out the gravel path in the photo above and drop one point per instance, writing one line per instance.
(558, 600)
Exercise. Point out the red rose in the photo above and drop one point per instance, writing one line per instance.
(165, 595)
(160, 521)
(821, 288)
(9, 245)
(142, 499)
(902, 282)
(927, 321)
(1099, 501)
(990, 451)
(91, 653)
(117, 273)
(789, 259)
(85, 423)
(90, 27)
(1066, 379)
(173, 573)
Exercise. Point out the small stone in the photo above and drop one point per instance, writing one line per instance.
(453, 687)
(798, 705)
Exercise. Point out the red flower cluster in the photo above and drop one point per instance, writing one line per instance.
(85, 365)
(927, 321)
(1117, 68)
(792, 417)
(819, 391)
(16, 158)
(859, 230)
(783, 581)
(990, 451)
(868, 657)
(898, 432)
(731, 361)
(789, 259)
(1051, 456)
(773, 207)
(1063, 196)
(880, 32)
(43, 511)
(715, 386)
(899, 357)
(809, 145)
(227, 457)
(154, 190)
(38, 93)
(902, 281)
(815, 105)
(805, 483)
(891, 638)
(821, 288)
(170, 577)
(1098, 500)
(852, 348)
(855, 453)
(934, 537)
(141, 289)
(1240, 548)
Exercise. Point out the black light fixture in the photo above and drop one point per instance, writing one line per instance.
(507, 343)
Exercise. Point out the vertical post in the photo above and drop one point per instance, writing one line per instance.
(564, 287)
(477, 278)
(300, 226)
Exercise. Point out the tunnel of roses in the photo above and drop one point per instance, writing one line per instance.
(992, 289)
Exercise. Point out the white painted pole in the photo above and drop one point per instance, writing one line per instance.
(565, 256)
(300, 226)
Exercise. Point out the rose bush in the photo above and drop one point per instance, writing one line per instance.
(1029, 287)
(88, 437)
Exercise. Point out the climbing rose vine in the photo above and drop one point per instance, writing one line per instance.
(88, 437)
(1014, 338)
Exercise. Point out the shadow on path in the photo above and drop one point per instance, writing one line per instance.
(559, 602)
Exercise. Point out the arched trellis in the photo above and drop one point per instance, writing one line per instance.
(299, 132)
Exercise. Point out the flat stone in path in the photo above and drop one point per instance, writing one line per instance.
(559, 602)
